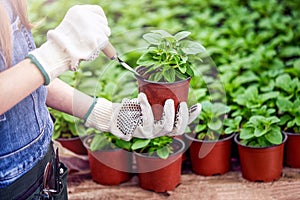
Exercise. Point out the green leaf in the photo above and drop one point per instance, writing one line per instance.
(146, 60)
(289, 51)
(273, 120)
(123, 144)
(220, 109)
(284, 119)
(163, 33)
(182, 35)
(191, 47)
(152, 38)
(215, 124)
(284, 104)
(200, 127)
(297, 120)
(190, 71)
(229, 130)
(169, 74)
(163, 152)
(283, 82)
(182, 69)
(246, 133)
(274, 136)
(99, 142)
(269, 95)
(258, 132)
(139, 143)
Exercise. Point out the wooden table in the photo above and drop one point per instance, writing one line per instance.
(230, 186)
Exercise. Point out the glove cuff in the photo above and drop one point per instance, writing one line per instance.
(99, 115)
(50, 60)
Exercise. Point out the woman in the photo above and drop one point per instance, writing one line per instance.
(28, 83)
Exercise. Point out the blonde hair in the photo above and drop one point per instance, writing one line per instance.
(19, 8)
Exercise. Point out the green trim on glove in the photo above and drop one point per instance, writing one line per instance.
(40, 67)
(90, 109)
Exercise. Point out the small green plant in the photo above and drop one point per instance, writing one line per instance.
(210, 123)
(65, 125)
(232, 125)
(261, 131)
(168, 57)
(159, 146)
(108, 141)
(289, 112)
(288, 103)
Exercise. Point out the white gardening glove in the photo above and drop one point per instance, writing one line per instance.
(81, 35)
(134, 118)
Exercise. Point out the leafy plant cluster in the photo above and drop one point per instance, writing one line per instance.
(209, 125)
(167, 57)
(160, 146)
(261, 131)
(254, 46)
(107, 141)
(64, 125)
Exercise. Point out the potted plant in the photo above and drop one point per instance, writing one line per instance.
(109, 157)
(261, 148)
(67, 132)
(167, 67)
(158, 162)
(288, 104)
(210, 147)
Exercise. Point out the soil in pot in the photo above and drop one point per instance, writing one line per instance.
(73, 144)
(210, 158)
(158, 92)
(292, 150)
(160, 175)
(109, 167)
(261, 164)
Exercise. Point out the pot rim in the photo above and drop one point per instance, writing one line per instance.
(87, 146)
(291, 133)
(69, 139)
(210, 141)
(239, 143)
(145, 155)
(161, 83)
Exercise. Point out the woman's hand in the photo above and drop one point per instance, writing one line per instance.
(134, 118)
(81, 35)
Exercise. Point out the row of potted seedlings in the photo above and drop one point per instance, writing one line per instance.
(158, 161)
(256, 121)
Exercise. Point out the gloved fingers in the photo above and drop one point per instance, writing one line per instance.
(166, 123)
(181, 120)
(194, 112)
(90, 8)
(121, 135)
(95, 8)
(168, 115)
(103, 27)
(141, 133)
(89, 14)
(146, 114)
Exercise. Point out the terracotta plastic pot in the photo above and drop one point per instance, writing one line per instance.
(292, 150)
(109, 167)
(261, 164)
(160, 175)
(73, 144)
(158, 92)
(210, 158)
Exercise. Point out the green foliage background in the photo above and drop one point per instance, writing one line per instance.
(251, 42)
